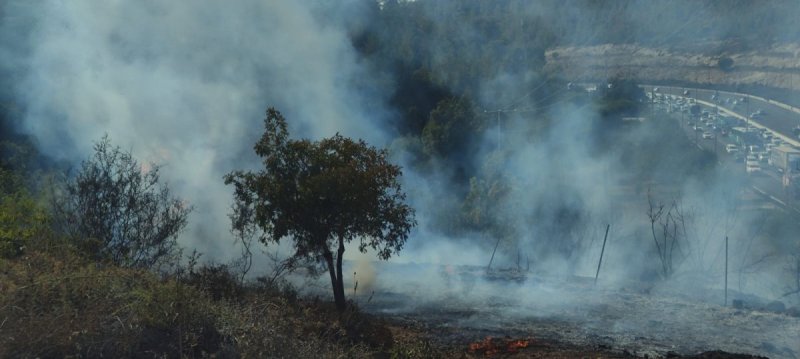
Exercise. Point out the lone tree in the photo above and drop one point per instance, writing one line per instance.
(118, 211)
(725, 63)
(322, 195)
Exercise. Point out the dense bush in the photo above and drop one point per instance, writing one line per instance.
(119, 211)
(217, 281)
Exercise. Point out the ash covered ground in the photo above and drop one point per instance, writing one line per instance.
(636, 318)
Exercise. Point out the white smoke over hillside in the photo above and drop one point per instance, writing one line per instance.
(184, 84)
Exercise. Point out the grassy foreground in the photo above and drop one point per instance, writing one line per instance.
(62, 305)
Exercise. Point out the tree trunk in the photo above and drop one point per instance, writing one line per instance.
(332, 272)
(338, 290)
(335, 271)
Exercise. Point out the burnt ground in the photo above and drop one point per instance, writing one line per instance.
(571, 317)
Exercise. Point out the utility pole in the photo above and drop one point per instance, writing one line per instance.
(683, 119)
(497, 118)
(497, 125)
(652, 104)
(726, 270)
(715, 144)
(493, 252)
(747, 113)
(601, 254)
(791, 77)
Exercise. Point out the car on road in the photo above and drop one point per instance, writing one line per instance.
(752, 164)
(707, 135)
(730, 148)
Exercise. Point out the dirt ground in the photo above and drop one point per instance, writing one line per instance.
(776, 67)
(565, 318)
(460, 347)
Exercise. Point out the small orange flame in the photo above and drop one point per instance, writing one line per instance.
(491, 346)
(515, 345)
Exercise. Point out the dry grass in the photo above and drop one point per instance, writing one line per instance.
(60, 305)
(54, 306)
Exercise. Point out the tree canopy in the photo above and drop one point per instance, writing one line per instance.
(322, 194)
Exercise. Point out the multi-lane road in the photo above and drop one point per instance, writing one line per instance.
(779, 118)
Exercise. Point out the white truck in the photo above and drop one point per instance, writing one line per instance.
(786, 159)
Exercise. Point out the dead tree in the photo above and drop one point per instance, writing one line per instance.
(654, 213)
(668, 228)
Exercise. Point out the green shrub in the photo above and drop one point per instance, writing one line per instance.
(21, 220)
(122, 208)
(725, 64)
(217, 281)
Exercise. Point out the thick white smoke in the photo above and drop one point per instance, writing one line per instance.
(184, 84)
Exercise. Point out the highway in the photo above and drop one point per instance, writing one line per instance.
(778, 118)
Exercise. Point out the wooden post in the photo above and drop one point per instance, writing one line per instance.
(495, 250)
(601, 254)
(726, 270)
